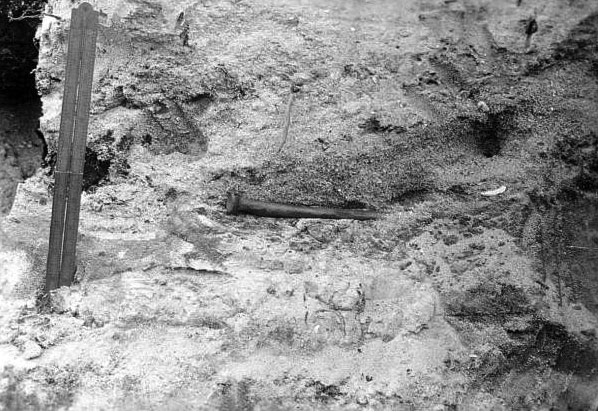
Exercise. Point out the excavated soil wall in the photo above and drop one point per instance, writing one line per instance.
(476, 289)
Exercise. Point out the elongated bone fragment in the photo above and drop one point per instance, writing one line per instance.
(494, 192)
(237, 204)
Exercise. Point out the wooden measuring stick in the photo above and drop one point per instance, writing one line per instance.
(90, 24)
(71, 147)
(61, 173)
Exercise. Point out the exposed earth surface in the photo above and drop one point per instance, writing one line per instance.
(477, 288)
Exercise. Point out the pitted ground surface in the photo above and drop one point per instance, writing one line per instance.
(451, 301)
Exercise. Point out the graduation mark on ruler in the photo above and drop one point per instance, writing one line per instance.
(68, 174)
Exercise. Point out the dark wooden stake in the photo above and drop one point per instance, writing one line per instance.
(237, 204)
(72, 138)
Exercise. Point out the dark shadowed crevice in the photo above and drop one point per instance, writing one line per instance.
(491, 133)
(22, 145)
(18, 57)
(95, 170)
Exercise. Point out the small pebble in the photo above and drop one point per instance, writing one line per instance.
(89, 321)
(32, 350)
(405, 265)
(294, 267)
(361, 399)
(477, 246)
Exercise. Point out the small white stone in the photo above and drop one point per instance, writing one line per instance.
(31, 350)
(483, 107)
(361, 398)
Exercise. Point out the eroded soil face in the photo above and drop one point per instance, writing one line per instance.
(456, 298)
